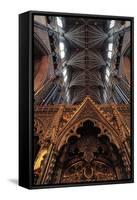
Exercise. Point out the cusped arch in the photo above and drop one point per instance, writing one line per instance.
(71, 131)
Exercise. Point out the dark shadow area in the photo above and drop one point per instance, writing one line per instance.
(14, 181)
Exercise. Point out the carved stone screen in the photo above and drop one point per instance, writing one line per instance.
(82, 100)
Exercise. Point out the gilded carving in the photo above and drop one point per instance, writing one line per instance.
(93, 165)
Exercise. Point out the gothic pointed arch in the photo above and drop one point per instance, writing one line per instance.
(89, 110)
(86, 157)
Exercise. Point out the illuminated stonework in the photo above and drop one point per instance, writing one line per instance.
(82, 143)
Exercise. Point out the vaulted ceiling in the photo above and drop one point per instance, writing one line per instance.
(88, 50)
